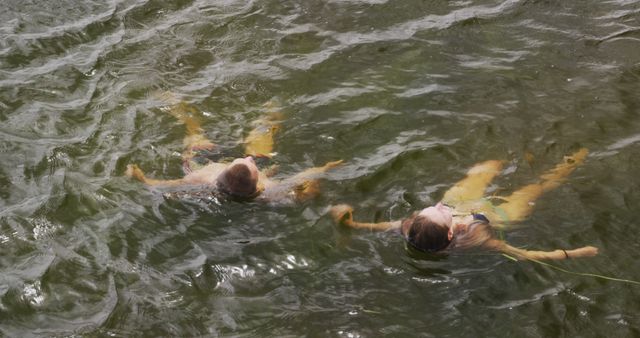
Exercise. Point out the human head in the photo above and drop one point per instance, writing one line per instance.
(438, 213)
(430, 229)
(424, 234)
(240, 178)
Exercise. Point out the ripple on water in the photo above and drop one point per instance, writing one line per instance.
(408, 93)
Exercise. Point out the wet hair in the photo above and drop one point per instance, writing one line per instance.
(424, 234)
(428, 236)
(476, 234)
(237, 182)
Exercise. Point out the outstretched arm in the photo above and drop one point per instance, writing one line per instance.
(305, 184)
(134, 172)
(343, 214)
(498, 245)
(313, 173)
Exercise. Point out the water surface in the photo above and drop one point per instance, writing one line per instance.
(409, 93)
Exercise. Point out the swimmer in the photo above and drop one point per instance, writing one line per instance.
(240, 179)
(465, 218)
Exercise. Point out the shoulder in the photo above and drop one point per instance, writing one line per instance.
(205, 175)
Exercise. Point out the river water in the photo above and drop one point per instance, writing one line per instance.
(408, 93)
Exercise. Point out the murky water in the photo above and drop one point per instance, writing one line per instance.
(409, 93)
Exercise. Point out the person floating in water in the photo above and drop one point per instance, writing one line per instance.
(208, 174)
(465, 217)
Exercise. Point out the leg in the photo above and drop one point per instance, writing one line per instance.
(520, 204)
(259, 142)
(472, 187)
(195, 139)
(307, 190)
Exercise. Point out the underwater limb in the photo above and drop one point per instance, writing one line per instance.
(133, 171)
(343, 214)
(307, 190)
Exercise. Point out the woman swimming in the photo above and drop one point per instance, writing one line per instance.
(207, 172)
(465, 219)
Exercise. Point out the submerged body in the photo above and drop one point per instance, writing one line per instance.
(466, 218)
(237, 179)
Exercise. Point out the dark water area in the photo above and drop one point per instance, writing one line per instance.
(410, 94)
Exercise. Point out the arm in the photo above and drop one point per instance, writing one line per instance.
(343, 214)
(498, 245)
(136, 173)
(304, 185)
(314, 172)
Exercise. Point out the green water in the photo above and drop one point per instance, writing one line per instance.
(409, 94)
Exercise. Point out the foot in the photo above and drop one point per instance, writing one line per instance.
(562, 170)
(307, 190)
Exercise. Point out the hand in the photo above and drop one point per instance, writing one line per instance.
(330, 165)
(342, 214)
(134, 172)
